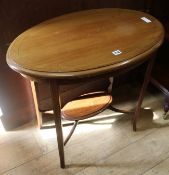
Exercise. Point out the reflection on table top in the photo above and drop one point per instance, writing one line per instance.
(86, 42)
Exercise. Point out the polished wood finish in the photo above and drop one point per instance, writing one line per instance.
(17, 16)
(68, 92)
(86, 106)
(81, 45)
(80, 37)
(54, 86)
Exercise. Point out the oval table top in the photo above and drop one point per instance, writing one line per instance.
(85, 43)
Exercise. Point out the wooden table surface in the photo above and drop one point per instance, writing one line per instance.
(82, 43)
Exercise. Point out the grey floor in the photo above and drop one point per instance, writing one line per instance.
(103, 145)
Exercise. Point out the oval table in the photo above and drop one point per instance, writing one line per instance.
(86, 44)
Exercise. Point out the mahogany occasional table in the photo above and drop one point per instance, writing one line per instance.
(83, 45)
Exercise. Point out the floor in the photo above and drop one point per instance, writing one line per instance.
(104, 145)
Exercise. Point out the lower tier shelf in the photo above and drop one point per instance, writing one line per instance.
(86, 106)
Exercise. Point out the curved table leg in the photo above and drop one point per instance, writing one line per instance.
(142, 92)
(54, 88)
(71, 132)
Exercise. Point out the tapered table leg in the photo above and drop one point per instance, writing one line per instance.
(54, 88)
(142, 92)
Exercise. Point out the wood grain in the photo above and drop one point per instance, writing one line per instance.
(85, 107)
(81, 43)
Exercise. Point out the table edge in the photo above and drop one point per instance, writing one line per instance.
(85, 73)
